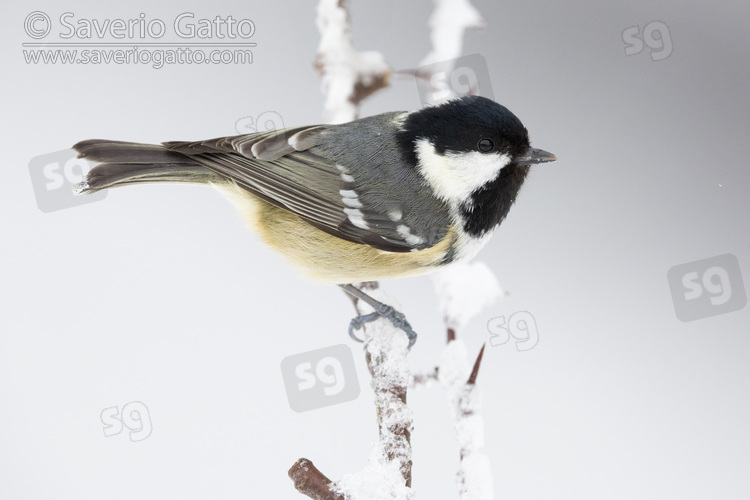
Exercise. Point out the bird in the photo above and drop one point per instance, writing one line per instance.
(385, 196)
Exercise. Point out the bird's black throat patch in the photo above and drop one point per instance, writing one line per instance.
(489, 204)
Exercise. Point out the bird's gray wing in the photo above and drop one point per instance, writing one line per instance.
(289, 169)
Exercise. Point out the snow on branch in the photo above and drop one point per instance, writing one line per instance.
(388, 473)
(348, 76)
(474, 477)
(464, 290)
(449, 21)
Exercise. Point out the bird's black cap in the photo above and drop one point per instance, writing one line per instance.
(459, 124)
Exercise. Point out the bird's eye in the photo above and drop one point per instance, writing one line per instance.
(485, 145)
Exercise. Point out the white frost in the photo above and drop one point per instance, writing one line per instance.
(448, 22)
(475, 478)
(453, 370)
(342, 65)
(379, 480)
(464, 289)
(387, 347)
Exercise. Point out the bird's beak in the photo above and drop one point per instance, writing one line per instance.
(533, 156)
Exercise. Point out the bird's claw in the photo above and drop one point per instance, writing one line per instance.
(397, 318)
(359, 322)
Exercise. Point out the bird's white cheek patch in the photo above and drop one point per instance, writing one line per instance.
(454, 176)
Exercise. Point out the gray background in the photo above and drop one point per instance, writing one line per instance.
(159, 294)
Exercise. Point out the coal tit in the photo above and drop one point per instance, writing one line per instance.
(386, 196)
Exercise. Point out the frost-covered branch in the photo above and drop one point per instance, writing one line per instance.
(387, 347)
(348, 76)
(464, 290)
(388, 473)
(449, 21)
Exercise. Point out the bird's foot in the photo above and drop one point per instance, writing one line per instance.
(381, 311)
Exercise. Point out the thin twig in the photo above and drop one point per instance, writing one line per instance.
(451, 335)
(475, 371)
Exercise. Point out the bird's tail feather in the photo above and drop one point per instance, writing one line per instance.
(124, 163)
